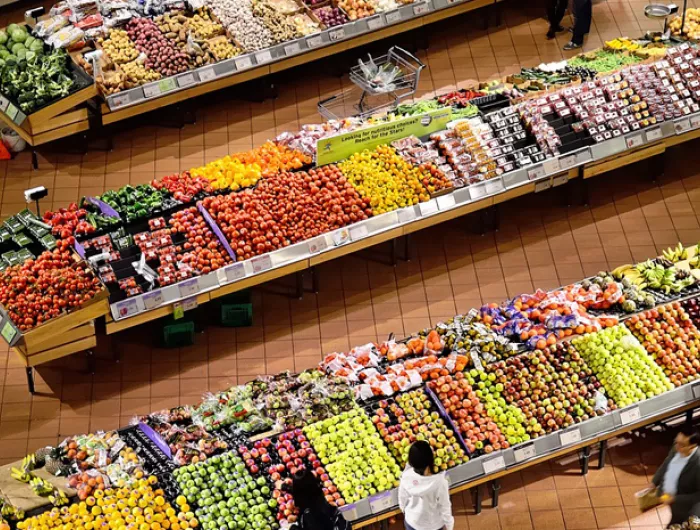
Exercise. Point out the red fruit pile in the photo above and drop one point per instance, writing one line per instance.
(309, 204)
(202, 250)
(183, 187)
(247, 224)
(68, 221)
(469, 415)
(42, 289)
(669, 335)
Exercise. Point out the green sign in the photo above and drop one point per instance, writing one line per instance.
(330, 150)
(8, 332)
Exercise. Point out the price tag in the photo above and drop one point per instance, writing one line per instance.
(235, 272)
(186, 80)
(127, 308)
(682, 126)
(188, 287)
(477, 191)
(12, 111)
(695, 121)
(380, 502)
(570, 437)
(349, 512)
(263, 57)
(560, 180)
(292, 49)
(493, 186)
(261, 263)
(393, 17)
(314, 42)
(445, 202)
(494, 464)
(525, 453)
(178, 311)
(375, 22)
(318, 244)
(421, 9)
(630, 415)
(168, 84)
(153, 299)
(358, 232)
(536, 173)
(189, 303)
(151, 91)
(476, 360)
(543, 185)
(341, 236)
(551, 166)
(8, 332)
(207, 74)
(427, 208)
(567, 162)
(583, 156)
(634, 141)
(114, 102)
(696, 390)
(336, 34)
(654, 134)
(406, 215)
(243, 62)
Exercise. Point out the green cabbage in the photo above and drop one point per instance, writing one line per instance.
(16, 47)
(19, 35)
(3, 37)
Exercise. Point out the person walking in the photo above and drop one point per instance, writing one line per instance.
(556, 9)
(424, 498)
(677, 481)
(315, 512)
(583, 15)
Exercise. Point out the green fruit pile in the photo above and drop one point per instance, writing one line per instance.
(622, 366)
(226, 495)
(354, 455)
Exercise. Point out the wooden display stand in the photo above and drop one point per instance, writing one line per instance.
(62, 336)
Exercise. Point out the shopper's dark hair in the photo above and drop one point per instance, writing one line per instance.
(692, 433)
(307, 492)
(420, 457)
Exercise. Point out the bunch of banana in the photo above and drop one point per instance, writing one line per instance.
(664, 279)
(21, 474)
(621, 44)
(676, 254)
(59, 498)
(9, 511)
(41, 487)
(630, 275)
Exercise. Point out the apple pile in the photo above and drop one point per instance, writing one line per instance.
(202, 250)
(669, 335)
(553, 387)
(623, 367)
(692, 307)
(479, 431)
(509, 418)
(353, 454)
(226, 495)
(411, 417)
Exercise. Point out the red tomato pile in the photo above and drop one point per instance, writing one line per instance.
(68, 221)
(42, 289)
(247, 224)
(183, 187)
(309, 204)
(202, 250)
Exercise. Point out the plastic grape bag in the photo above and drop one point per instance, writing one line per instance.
(368, 69)
(601, 402)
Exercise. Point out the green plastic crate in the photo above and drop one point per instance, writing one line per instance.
(236, 310)
(178, 334)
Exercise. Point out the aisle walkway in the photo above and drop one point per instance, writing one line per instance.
(541, 244)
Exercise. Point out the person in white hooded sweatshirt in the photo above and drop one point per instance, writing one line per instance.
(424, 498)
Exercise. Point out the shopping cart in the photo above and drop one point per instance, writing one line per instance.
(381, 82)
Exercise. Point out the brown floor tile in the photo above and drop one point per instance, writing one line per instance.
(579, 518)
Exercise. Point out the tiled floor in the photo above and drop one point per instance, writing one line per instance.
(541, 243)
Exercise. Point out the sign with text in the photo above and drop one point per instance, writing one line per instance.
(336, 148)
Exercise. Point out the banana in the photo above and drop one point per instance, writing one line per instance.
(41, 487)
(21, 475)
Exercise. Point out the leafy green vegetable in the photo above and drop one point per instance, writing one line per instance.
(12, 27)
(19, 35)
(3, 37)
(17, 46)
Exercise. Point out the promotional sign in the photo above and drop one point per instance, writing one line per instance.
(335, 148)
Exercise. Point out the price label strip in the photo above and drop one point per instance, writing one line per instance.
(445, 202)
(630, 415)
(207, 74)
(560, 180)
(261, 263)
(536, 173)
(127, 308)
(314, 42)
(682, 126)
(166, 85)
(492, 465)
(318, 244)
(151, 91)
(186, 80)
(406, 215)
(654, 133)
(543, 185)
(235, 272)
(262, 57)
(570, 437)
(427, 208)
(292, 49)
(244, 62)
(189, 303)
(421, 9)
(375, 22)
(358, 232)
(188, 287)
(393, 17)
(634, 141)
(336, 34)
(115, 102)
(695, 121)
(696, 390)
(4, 103)
(8, 332)
(526, 452)
(153, 299)
(380, 502)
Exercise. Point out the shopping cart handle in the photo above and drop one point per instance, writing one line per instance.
(399, 48)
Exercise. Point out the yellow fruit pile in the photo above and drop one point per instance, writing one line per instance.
(137, 508)
(386, 178)
(621, 44)
(228, 173)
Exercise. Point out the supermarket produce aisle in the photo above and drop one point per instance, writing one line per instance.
(541, 244)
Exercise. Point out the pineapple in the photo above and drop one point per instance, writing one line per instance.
(41, 455)
(56, 462)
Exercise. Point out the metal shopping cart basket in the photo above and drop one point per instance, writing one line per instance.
(381, 83)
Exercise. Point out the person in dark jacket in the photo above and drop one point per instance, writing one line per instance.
(583, 15)
(677, 481)
(556, 9)
(314, 512)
